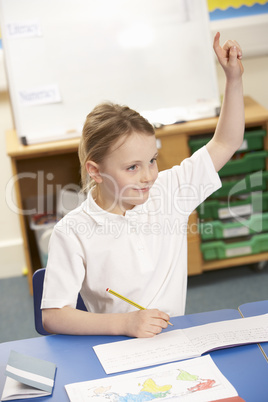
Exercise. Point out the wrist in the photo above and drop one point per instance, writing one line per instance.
(118, 323)
(234, 81)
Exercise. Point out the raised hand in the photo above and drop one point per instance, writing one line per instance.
(229, 56)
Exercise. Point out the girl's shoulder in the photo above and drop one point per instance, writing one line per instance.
(72, 219)
(195, 158)
(183, 171)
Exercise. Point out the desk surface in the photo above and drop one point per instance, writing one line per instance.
(244, 366)
(256, 308)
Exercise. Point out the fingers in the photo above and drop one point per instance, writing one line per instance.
(159, 320)
(239, 50)
(144, 323)
(226, 48)
(232, 49)
(160, 314)
(233, 55)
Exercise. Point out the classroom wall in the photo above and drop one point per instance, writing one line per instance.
(11, 246)
(255, 79)
(11, 249)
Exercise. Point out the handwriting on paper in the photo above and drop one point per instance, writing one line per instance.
(228, 333)
(141, 353)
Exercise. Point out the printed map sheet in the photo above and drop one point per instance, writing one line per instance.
(196, 380)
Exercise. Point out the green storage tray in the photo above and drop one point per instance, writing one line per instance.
(233, 187)
(253, 141)
(255, 202)
(198, 142)
(217, 250)
(250, 162)
(242, 227)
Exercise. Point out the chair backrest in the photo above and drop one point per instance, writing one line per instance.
(38, 280)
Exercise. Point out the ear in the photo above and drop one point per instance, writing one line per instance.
(94, 171)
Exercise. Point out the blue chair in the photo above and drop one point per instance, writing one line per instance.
(38, 280)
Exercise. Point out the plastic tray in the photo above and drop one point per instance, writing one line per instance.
(256, 181)
(240, 227)
(250, 162)
(220, 249)
(253, 141)
(253, 203)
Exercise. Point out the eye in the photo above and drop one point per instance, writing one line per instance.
(153, 160)
(131, 168)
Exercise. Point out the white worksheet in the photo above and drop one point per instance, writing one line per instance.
(181, 343)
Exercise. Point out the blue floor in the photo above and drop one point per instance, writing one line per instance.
(226, 288)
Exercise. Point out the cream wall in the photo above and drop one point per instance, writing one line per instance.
(11, 250)
(255, 79)
(11, 254)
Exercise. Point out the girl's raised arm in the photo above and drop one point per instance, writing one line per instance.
(229, 132)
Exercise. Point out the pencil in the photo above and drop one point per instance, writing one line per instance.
(129, 301)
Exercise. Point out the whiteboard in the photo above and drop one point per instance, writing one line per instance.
(65, 56)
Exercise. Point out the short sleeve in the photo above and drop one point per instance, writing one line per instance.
(65, 271)
(191, 182)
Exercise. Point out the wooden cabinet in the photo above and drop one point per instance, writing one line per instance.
(43, 169)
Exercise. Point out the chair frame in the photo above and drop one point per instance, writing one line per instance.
(38, 281)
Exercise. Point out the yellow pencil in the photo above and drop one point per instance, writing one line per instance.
(129, 301)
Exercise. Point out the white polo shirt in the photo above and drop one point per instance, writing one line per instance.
(142, 255)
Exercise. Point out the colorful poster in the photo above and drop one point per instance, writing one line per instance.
(223, 9)
(224, 4)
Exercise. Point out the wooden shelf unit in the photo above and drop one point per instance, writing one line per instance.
(56, 165)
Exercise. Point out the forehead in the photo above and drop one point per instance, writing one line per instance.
(134, 142)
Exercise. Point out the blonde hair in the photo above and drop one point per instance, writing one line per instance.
(103, 127)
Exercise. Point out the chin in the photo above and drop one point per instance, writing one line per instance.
(140, 200)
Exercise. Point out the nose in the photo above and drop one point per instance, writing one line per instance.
(147, 175)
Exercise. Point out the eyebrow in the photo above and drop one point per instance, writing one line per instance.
(137, 161)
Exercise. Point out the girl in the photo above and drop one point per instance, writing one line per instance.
(130, 234)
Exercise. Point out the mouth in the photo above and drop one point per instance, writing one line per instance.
(143, 189)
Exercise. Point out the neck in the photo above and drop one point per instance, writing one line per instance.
(110, 206)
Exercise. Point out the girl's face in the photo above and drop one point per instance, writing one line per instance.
(127, 173)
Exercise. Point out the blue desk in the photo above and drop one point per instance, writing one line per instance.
(256, 308)
(244, 366)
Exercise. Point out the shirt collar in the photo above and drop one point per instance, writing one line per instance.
(100, 216)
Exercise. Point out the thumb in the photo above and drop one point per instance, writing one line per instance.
(216, 44)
